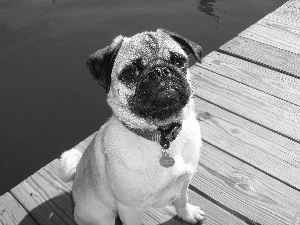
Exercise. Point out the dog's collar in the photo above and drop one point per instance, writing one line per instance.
(163, 136)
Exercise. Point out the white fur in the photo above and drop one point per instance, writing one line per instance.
(68, 163)
(119, 172)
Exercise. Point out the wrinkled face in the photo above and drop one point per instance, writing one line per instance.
(149, 77)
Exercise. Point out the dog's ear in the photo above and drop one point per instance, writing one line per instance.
(188, 46)
(101, 63)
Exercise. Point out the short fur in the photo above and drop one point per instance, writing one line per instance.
(119, 173)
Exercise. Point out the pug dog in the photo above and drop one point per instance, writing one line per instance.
(146, 154)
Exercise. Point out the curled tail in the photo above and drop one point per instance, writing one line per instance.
(68, 163)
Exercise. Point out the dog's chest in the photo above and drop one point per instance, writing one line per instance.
(136, 153)
(134, 170)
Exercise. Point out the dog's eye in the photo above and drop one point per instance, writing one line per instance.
(128, 75)
(179, 61)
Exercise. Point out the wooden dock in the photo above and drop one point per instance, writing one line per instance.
(247, 97)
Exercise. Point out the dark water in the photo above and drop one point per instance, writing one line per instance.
(48, 100)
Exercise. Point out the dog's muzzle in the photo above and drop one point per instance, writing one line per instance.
(161, 91)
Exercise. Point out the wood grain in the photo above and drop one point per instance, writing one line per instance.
(275, 37)
(279, 29)
(261, 78)
(292, 5)
(284, 19)
(269, 152)
(263, 54)
(245, 190)
(257, 106)
(45, 197)
(214, 214)
(12, 213)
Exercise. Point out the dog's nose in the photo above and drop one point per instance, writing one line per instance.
(167, 94)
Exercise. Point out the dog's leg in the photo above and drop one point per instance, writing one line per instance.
(186, 211)
(94, 214)
(129, 216)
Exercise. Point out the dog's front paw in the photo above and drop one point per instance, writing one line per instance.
(191, 214)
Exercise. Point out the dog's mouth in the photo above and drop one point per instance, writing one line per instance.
(161, 92)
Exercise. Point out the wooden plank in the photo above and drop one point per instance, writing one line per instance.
(292, 5)
(280, 28)
(261, 78)
(265, 150)
(245, 190)
(284, 19)
(45, 197)
(263, 54)
(11, 212)
(264, 109)
(274, 37)
(215, 215)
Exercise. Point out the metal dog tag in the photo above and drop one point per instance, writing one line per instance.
(166, 160)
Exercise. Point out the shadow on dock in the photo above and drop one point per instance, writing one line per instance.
(57, 211)
(53, 211)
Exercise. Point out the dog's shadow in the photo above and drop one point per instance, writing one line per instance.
(56, 210)
(59, 210)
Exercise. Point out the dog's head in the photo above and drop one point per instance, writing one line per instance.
(146, 76)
